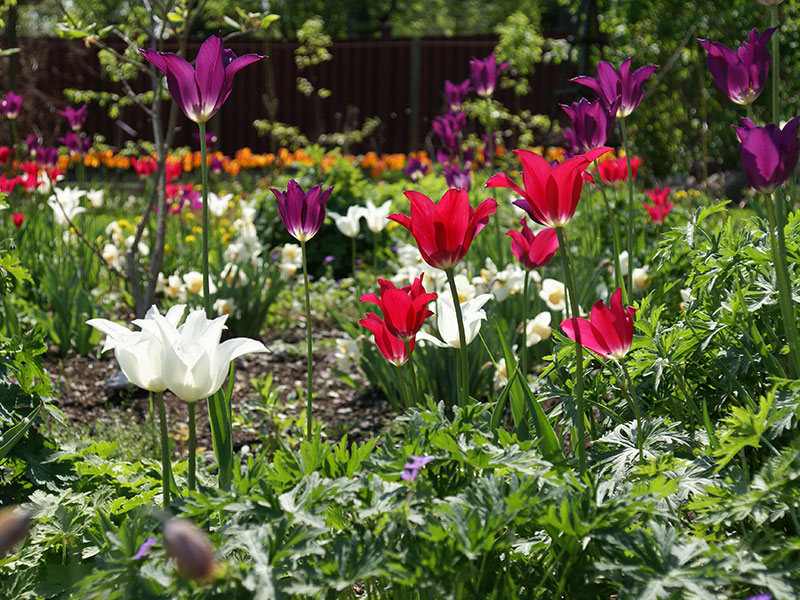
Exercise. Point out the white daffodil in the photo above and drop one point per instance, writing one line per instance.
(224, 306)
(554, 295)
(472, 313)
(232, 274)
(510, 280)
(641, 279)
(194, 283)
(538, 328)
(66, 204)
(111, 254)
(350, 223)
(96, 197)
(194, 362)
(218, 205)
(623, 263)
(175, 288)
(376, 216)
(139, 353)
(408, 256)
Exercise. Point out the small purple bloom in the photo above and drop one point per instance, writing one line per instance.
(760, 597)
(413, 466)
(591, 123)
(211, 138)
(622, 87)
(33, 143)
(415, 169)
(76, 117)
(457, 178)
(742, 73)
(201, 90)
(75, 143)
(146, 545)
(449, 127)
(11, 105)
(215, 164)
(302, 213)
(768, 154)
(329, 259)
(484, 74)
(455, 94)
(48, 156)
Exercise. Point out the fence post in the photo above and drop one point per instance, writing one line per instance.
(415, 76)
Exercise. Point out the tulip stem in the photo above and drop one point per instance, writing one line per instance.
(462, 338)
(14, 134)
(776, 64)
(631, 253)
(414, 386)
(403, 389)
(192, 447)
(630, 391)
(308, 341)
(618, 281)
(204, 180)
(778, 243)
(579, 443)
(166, 463)
(524, 350)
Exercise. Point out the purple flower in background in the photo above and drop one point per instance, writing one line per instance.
(768, 154)
(146, 545)
(621, 86)
(591, 123)
(201, 90)
(449, 127)
(484, 74)
(329, 259)
(760, 597)
(415, 169)
(12, 104)
(211, 138)
(33, 143)
(76, 117)
(302, 213)
(76, 144)
(455, 94)
(413, 466)
(742, 73)
(457, 178)
(48, 156)
(215, 164)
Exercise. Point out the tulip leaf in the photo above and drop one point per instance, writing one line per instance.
(11, 436)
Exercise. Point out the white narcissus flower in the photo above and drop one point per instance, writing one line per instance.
(641, 279)
(111, 254)
(232, 274)
(538, 329)
(66, 204)
(218, 205)
(409, 256)
(139, 353)
(96, 197)
(195, 363)
(224, 306)
(472, 313)
(292, 254)
(175, 287)
(376, 216)
(194, 283)
(350, 223)
(553, 294)
(348, 352)
(623, 263)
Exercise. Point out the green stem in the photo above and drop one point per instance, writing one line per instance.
(524, 350)
(192, 446)
(375, 252)
(81, 171)
(462, 338)
(580, 443)
(353, 256)
(204, 179)
(403, 389)
(634, 402)
(776, 64)
(14, 134)
(166, 464)
(778, 243)
(631, 253)
(414, 386)
(618, 281)
(308, 342)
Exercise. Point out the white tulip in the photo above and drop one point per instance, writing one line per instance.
(66, 204)
(472, 313)
(139, 353)
(538, 328)
(376, 216)
(350, 223)
(218, 205)
(96, 197)
(553, 294)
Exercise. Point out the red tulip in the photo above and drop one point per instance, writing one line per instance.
(551, 194)
(608, 331)
(533, 251)
(404, 309)
(617, 169)
(392, 348)
(445, 230)
(18, 218)
(661, 206)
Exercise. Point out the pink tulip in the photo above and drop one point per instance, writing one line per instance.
(608, 331)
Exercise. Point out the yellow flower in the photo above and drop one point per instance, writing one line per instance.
(189, 216)
(226, 239)
(391, 225)
(124, 223)
(166, 247)
(197, 229)
(190, 239)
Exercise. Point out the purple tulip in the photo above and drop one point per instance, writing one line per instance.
(75, 143)
(302, 213)
(415, 169)
(622, 87)
(12, 104)
(455, 94)
(47, 156)
(449, 127)
(742, 73)
(412, 467)
(591, 123)
(76, 117)
(768, 154)
(201, 90)
(458, 178)
(211, 138)
(760, 597)
(484, 74)
(33, 143)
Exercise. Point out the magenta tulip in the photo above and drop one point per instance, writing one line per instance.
(301, 212)
(591, 123)
(455, 94)
(201, 90)
(608, 331)
(485, 73)
(533, 250)
(76, 117)
(12, 105)
(621, 87)
(768, 154)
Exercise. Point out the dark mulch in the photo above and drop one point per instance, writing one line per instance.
(83, 393)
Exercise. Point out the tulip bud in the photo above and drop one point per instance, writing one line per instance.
(14, 526)
(190, 548)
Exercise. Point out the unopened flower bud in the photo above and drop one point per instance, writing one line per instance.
(190, 548)
(14, 526)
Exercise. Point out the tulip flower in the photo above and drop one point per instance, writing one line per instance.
(446, 323)
(616, 169)
(551, 194)
(200, 91)
(449, 127)
(404, 309)
(348, 224)
(416, 169)
(608, 331)
(455, 94)
(377, 217)
(484, 74)
(76, 117)
(768, 154)
(75, 143)
(191, 549)
(591, 123)
(456, 177)
(17, 218)
(393, 349)
(533, 251)
(11, 105)
(619, 88)
(742, 73)
(302, 213)
(445, 230)
(661, 205)
(66, 204)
